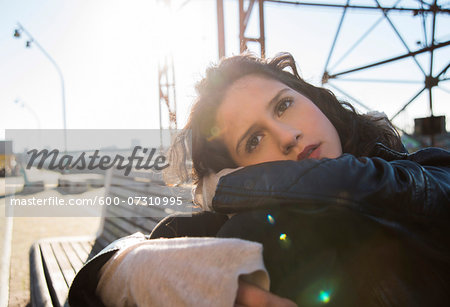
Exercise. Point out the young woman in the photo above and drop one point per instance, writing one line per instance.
(357, 134)
(343, 211)
(344, 214)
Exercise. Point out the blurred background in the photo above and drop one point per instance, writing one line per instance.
(110, 64)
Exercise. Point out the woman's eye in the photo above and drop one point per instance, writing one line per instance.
(283, 106)
(252, 143)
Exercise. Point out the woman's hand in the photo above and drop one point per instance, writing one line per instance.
(250, 295)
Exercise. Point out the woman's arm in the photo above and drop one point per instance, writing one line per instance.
(401, 189)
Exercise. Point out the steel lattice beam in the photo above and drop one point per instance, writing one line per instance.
(403, 56)
(166, 85)
(416, 11)
(244, 16)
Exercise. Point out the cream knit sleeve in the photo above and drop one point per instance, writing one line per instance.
(181, 272)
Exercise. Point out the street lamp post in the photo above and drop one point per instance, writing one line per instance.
(17, 34)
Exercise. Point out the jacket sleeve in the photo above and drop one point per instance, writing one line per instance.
(396, 189)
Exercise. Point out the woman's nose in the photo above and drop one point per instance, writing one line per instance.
(287, 137)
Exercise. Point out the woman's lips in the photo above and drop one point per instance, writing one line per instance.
(310, 152)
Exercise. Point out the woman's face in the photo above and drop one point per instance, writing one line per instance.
(262, 119)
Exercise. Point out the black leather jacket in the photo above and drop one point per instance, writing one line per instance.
(409, 193)
(376, 228)
(389, 185)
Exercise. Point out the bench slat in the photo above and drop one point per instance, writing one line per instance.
(79, 251)
(63, 262)
(39, 290)
(146, 224)
(107, 235)
(119, 227)
(73, 257)
(87, 246)
(130, 226)
(125, 227)
(58, 287)
(99, 245)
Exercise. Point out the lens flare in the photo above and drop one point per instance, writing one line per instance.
(284, 241)
(270, 219)
(324, 296)
(214, 133)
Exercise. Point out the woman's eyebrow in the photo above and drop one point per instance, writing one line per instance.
(277, 97)
(272, 101)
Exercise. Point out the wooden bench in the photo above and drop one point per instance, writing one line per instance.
(54, 262)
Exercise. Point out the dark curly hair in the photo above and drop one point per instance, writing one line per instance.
(358, 133)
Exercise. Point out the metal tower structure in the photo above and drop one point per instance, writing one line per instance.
(429, 45)
(244, 15)
(166, 85)
(167, 92)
